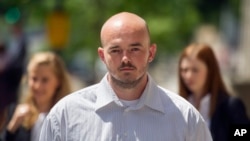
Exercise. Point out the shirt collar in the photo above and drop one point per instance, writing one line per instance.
(105, 93)
(150, 97)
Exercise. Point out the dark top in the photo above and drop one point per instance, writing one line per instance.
(21, 133)
(11, 76)
(230, 111)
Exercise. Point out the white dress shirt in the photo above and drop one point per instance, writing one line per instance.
(95, 113)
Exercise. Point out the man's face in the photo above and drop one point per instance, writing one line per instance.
(126, 52)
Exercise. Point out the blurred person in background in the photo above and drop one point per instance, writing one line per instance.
(126, 104)
(13, 61)
(12, 64)
(5, 99)
(48, 81)
(200, 82)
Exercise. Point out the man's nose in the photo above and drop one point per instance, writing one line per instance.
(125, 57)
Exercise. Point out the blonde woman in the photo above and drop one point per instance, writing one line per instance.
(48, 82)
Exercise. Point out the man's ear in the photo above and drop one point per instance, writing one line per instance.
(101, 53)
(152, 52)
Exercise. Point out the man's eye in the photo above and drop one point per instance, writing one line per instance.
(115, 51)
(134, 49)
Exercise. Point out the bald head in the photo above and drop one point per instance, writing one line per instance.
(122, 23)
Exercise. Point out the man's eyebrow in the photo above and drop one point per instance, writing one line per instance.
(113, 47)
(131, 45)
(136, 44)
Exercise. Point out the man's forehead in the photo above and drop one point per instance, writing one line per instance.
(123, 24)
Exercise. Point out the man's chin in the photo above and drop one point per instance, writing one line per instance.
(126, 73)
(127, 77)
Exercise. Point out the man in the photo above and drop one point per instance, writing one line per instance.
(126, 104)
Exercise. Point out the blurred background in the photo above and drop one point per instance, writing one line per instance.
(71, 28)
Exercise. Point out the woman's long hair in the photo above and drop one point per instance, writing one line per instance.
(58, 67)
(214, 83)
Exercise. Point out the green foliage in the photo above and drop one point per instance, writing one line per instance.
(171, 22)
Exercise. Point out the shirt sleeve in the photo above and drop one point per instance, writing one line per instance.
(202, 132)
(198, 129)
